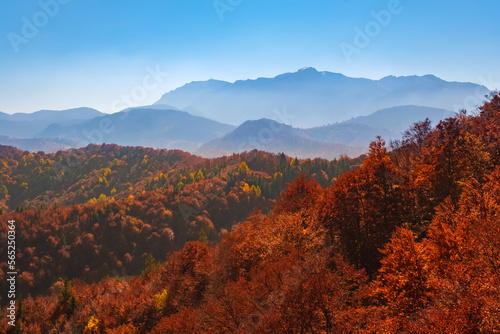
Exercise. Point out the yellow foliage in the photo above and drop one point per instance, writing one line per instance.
(243, 168)
(92, 325)
(131, 197)
(255, 191)
(113, 191)
(161, 300)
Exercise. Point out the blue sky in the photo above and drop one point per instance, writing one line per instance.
(97, 53)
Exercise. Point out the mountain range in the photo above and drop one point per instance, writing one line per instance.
(312, 98)
(350, 138)
(271, 136)
(28, 125)
(147, 126)
(305, 114)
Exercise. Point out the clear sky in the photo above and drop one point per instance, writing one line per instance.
(60, 54)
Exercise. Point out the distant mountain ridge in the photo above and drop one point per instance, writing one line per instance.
(315, 98)
(27, 125)
(350, 138)
(388, 123)
(38, 144)
(305, 114)
(160, 126)
(143, 126)
(271, 136)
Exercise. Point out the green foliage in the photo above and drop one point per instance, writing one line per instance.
(67, 299)
(202, 236)
(3, 190)
(151, 265)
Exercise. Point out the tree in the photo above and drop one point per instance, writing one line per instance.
(202, 237)
(404, 278)
(243, 168)
(363, 208)
(301, 194)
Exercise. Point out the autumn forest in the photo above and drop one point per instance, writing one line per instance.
(403, 239)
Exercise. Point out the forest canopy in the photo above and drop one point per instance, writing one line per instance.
(403, 240)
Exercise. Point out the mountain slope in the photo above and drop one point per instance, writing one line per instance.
(351, 137)
(310, 98)
(23, 125)
(158, 128)
(37, 144)
(399, 118)
(388, 123)
(271, 136)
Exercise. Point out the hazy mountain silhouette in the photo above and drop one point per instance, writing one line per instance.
(355, 109)
(271, 136)
(351, 137)
(388, 123)
(38, 144)
(24, 125)
(158, 128)
(313, 98)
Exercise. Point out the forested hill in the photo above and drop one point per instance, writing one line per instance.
(409, 242)
(103, 172)
(91, 212)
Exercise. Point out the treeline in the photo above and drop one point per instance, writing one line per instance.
(98, 173)
(409, 242)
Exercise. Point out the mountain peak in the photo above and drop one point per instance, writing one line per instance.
(307, 68)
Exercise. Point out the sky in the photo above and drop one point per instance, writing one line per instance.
(109, 54)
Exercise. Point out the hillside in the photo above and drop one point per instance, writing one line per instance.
(38, 144)
(271, 136)
(349, 138)
(27, 125)
(131, 202)
(150, 127)
(389, 123)
(406, 242)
